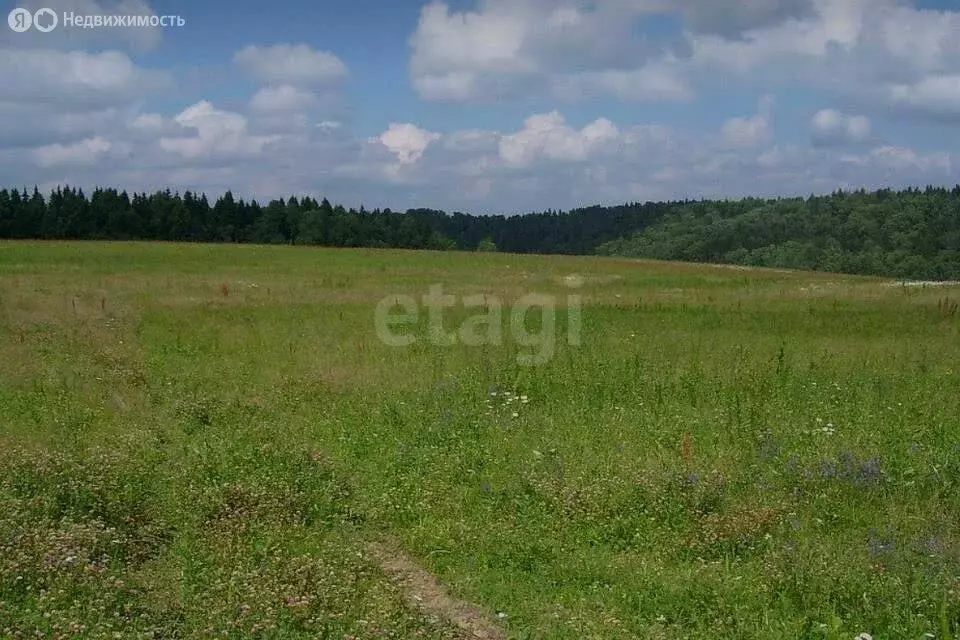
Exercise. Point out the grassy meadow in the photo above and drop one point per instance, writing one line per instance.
(205, 441)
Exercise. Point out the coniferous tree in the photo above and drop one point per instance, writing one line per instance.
(909, 233)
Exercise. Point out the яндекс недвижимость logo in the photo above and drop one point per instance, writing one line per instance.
(43, 20)
(46, 20)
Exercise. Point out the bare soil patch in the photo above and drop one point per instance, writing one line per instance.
(426, 593)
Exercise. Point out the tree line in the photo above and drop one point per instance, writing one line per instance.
(108, 214)
(911, 233)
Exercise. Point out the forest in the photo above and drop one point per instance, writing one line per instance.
(912, 233)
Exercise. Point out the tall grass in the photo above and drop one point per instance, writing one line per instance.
(200, 440)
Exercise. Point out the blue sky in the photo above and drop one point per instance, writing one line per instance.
(487, 105)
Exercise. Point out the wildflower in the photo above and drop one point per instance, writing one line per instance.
(864, 636)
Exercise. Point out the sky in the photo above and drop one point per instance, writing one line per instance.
(485, 106)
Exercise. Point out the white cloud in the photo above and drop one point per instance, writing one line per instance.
(904, 159)
(876, 51)
(217, 133)
(469, 41)
(505, 47)
(282, 97)
(547, 136)
(85, 152)
(75, 77)
(834, 23)
(407, 141)
(294, 64)
(148, 122)
(925, 40)
(937, 95)
(583, 50)
(830, 126)
(654, 82)
(511, 48)
(543, 163)
(750, 131)
(49, 96)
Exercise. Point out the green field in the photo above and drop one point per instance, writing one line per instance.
(208, 441)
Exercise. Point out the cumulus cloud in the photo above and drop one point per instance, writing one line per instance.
(407, 141)
(659, 81)
(750, 131)
(74, 78)
(878, 51)
(470, 41)
(830, 126)
(85, 152)
(935, 95)
(217, 133)
(547, 136)
(924, 41)
(833, 25)
(905, 159)
(512, 48)
(301, 85)
(543, 162)
(509, 48)
(548, 163)
(282, 97)
(49, 96)
(292, 64)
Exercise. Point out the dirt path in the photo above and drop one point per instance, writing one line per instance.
(427, 594)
